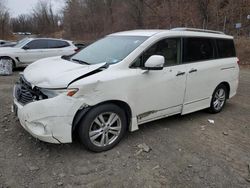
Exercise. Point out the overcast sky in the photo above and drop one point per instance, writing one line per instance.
(18, 7)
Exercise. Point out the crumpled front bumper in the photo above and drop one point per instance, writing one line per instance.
(49, 120)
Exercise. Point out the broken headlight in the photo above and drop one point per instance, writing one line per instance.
(50, 93)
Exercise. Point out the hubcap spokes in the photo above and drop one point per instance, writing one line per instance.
(219, 99)
(105, 129)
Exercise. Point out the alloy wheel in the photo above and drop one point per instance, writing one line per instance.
(219, 99)
(105, 129)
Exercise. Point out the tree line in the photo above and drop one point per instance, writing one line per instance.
(4, 21)
(98, 17)
(90, 19)
(42, 20)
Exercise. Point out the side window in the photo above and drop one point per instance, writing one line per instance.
(57, 44)
(37, 44)
(225, 48)
(169, 48)
(198, 49)
(63, 44)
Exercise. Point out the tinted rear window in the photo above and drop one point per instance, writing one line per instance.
(38, 44)
(57, 44)
(225, 48)
(198, 49)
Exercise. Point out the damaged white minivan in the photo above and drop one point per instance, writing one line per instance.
(124, 80)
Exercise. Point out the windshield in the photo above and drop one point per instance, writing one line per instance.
(22, 42)
(111, 49)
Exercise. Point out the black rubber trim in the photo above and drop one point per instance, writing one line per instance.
(226, 68)
(79, 115)
(90, 73)
(17, 58)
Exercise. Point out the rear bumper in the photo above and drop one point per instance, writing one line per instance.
(49, 120)
(233, 88)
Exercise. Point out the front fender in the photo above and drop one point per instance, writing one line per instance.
(55, 115)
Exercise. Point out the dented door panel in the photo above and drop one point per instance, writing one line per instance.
(150, 91)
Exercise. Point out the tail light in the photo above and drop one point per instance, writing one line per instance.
(238, 61)
(76, 50)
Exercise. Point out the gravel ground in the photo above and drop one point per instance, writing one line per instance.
(186, 151)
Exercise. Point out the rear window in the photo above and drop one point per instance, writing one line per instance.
(225, 48)
(57, 44)
(198, 49)
(38, 44)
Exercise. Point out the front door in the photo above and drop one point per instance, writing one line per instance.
(34, 51)
(160, 93)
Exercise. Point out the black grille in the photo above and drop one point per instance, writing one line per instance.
(24, 92)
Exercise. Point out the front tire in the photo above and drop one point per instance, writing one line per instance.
(103, 127)
(9, 59)
(219, 98)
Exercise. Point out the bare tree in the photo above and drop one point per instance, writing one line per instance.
(22, 24)
(137, 11)
(90, 19)
(204, 9)
(109, 12)
(4, 20)
(44, 18)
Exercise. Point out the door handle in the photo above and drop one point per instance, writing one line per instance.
(180, 73)
(193, 70)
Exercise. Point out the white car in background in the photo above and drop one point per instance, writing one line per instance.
(4, 43)
(29, 50)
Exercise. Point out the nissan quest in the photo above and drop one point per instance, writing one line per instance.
(123, 80)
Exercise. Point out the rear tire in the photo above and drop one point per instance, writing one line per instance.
(219, 99)
(103, 127)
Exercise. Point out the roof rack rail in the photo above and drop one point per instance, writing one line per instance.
(197, 30)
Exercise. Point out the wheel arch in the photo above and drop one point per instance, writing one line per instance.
(14, 62)
(82, 112)
(227, 85)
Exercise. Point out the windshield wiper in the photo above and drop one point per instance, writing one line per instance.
(80, 61)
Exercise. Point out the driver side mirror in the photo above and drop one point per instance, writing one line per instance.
(26, 47)
(155, 62)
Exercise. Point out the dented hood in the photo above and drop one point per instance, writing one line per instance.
(56, 72)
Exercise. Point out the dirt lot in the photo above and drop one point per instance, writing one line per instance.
(187, 151)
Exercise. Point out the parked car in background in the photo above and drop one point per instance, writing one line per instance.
(27, 33)
(124, 80)
(12, 44)
(29, 50)
(9, 44)
(4, 43)
(80, 45)
(22, 33)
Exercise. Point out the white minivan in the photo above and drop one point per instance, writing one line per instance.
(123, 80)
